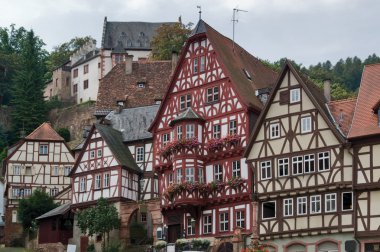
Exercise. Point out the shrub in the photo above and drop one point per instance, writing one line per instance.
(200, 244)
(160, 245)
(65, 133)
(182, 244)
(91, 248)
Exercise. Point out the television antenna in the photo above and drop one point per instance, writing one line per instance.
(235, 20)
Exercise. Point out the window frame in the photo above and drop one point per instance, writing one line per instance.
(240, 218)
(43, 149)
(275, 210)
(85, 69)
(295, 95)
(288, 207)
(184, 101)
(212, 94)
(323, 159)
(224, 220)
(85, 84)
(190, 131)
(274, 131)
(314, 202)
(55, 170)
(165, 139)
(279, 167)
(189, 174)
(75, 73)
(202, 63)
(306, 124)
(140, 153)
(200, 175)
(236, 168)
(217, 131)
(190, 226)
(99, 153)
(207, 225)
(98, 181)
(53, 191)
(178, 175)
(304, 203)
(179, 132)
(296, 161)
(82, 184)
(352, 201)
(67, 170)
(267, 166)
(232, 129)
(329, 201)
(309, 160)
(16, 169)
(218, 172)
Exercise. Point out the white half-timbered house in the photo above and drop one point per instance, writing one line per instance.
(42, 160)
(302, 171)
(200, 133)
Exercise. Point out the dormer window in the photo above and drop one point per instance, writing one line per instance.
(141, 84)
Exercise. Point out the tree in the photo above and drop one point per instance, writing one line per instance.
(65, 133)
(169, 38)
(36, 205)
(28, 85)
(100, 220)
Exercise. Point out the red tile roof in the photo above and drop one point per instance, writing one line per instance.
(343, 111)
(44, 132)
(365, 121)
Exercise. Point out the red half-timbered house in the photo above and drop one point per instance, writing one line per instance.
(200, 133)
(42, 160)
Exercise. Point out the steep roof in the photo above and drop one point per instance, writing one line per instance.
(188, 114)
(44, 132)
(315, 95)
(62, 209)
(365, 120)
(114, 140)
(117, 85)
(133, 122)
(343, 112)
(129, 35)
(89, 56)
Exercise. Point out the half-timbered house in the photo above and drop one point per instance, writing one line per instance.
(200, 133)
(302, 170)
(41, 160)
(364, 135)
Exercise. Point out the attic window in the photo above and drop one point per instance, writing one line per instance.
(141, 84)
(247, 74)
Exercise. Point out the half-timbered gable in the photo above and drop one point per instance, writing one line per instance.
(364, 135)
(302, 166)
(41, 160)
(105, 168)
(200, 133)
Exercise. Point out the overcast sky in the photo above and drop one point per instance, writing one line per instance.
(307, 31)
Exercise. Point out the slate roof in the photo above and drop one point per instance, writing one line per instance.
(343, 112)
(188, 114)
(56, 211)
(114, 140)
(129, 35)
(133, 122)
(118, 86)
(365, 120)
(44, 132)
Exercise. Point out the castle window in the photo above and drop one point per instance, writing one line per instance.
(85, 84)
(315, 204)
(75, 88)
(309, 163)
(302, 205)
(85, 69)
(139, 154)
(274, 131)
(324, 161)
(283, 167)
(295, 95)
(346, 201)
(269, 210)
(75, 73)
(288, 207)
(265, 170)
(330, 202)
(44, 149)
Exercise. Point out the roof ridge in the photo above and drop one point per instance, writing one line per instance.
(343, 100)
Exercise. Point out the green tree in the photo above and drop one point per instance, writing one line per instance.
(65, 133)
(36, 205)
(100, 220)
(28, 86)
(169, 38)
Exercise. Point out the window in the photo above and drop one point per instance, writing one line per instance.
(85, 84)
(200, 175)
(266, 170)
(170, 178)
(92, 154)
(297, 165)
(223, 222)
(218, 172)
(16, 170)
(75, 73)
(143, 217)
(195, 65)
(274, 130)
(141, 84)
(55, 170)
(315, 204)
(288, 207)
(203, 64)
(185, 101)
(190, 174)
(189, 131)
(67, 170)
(100, 152)
(216, 131)
(295, 95)
(283, 167)
(213, 94)
(14, 216)
(28, 192)
(165, 139)
(236, 172)
(119, 58)
(269, 210)
(190, 226)
(323, 161)
(302, 205)
(309, 163)
(53, 191)
(106, 182)
(346, 201)
(139, 154)
(330, 202)
(15, 192)
(98, 181)
(207, 224)
(305, 124)
(85, 69)
(240, 222)
(142, 185)
(82, 184)
(28, 170)
(233, 129)
(179, 176)
(179, 132)
(44, 149)
(75, 88)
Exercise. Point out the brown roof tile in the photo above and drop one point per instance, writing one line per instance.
(44, 132)
(343, 112)
(117, 85)
(365, 121)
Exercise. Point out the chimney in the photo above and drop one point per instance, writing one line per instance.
(327, 89)
(128, 64)
(174, 60)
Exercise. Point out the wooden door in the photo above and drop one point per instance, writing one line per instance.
(174, 233)
(83, 243)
